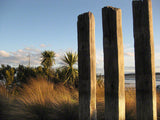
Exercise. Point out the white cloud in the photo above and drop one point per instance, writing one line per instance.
(30, 49)
(99, 57)
(4, 53)
(129, 54)
(157, 63)
(57, 55)
(128, 50)
(43, 45)
(20, 56)
(58, 58)
(20, 50)
(99, 61)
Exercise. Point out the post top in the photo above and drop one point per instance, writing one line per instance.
(141, 0)
(86, 14)
(112, 8)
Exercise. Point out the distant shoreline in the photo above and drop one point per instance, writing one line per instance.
(128, 74)
(133, 74)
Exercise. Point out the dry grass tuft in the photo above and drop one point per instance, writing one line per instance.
(3, 91)
(42, 100)
(130, 100)
(158, 105)
(4, 102)
(100, 103)
(4, 107)
(130, 103)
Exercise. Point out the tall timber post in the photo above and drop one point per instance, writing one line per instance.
(144, 60)
(87, 67)
(113, 64)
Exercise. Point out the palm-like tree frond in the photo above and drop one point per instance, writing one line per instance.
(48, 58)
(70, 59)
(71, 73)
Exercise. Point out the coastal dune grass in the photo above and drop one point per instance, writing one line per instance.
(4, 102)
(130, 103)
(43, 100)
(130, 100)
(158, 105)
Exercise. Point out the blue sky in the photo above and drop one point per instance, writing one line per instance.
(31, 26)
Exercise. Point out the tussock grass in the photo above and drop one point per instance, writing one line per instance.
(39, 100)
(158, 105)
(43, 100)
(4, 107)
(4, 102)
(100, 103)
(130, 100)
(3, 91)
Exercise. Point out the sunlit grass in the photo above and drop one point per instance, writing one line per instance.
(158, 105)
(3, 91)
(130, 101)
(4, 102)
(100, 103)
(43, 100)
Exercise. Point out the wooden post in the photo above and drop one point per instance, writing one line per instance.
(113, 64)
(144, 60)
(87, 67)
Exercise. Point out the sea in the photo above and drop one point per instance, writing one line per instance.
(130, 80)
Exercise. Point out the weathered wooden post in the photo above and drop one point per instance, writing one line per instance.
(87, 67)
(144, 60)
(113, 64)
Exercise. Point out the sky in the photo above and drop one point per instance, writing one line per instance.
(28, 27)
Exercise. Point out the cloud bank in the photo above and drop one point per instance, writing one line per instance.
(21, 56)
(33, 55)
